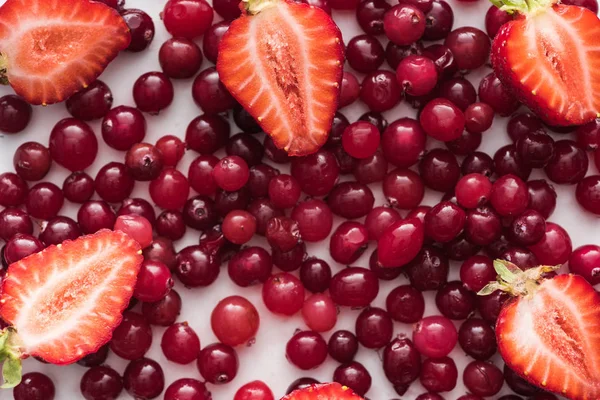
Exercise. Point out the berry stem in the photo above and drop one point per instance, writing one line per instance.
(255, 6)
(515, 281)
(10, 358)
(523, 6)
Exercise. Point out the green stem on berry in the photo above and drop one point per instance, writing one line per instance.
(515, 281)
(3, 67)
(523, 6)
(10, 358)
(256, 6)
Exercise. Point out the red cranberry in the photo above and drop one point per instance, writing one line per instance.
(123, 127)
(263, 210)
(403, 189)
(163, 312)
(442, 120)
(245, 146)
(348, 242)
(153, 92)
(405, 304)
(154, 281)
(234, 320)
(44, 201)
(132, 338)
(555, 247)
(507, 161)
(250, 266)
(428, 270)
(289, 260)
(382, 273)
(353, 375)
(435, 336)
(404, 24)
(476, 272)
(342, 346)
(196, 267)
(144, 161)
(187, 389)
(200, 175)
(13, 221)
(379, 219)
(218, 363)
(478, 117)
(95, 215)
(34, 386)
(13, 190)
(401, 362)
(470, 46)
(473, 190)
(350, 90)
(171, 224)
(20, 246)
(172, 149)
(439, 374)
(371, 169)
(319, 312)
(478, 162)
(444, 222)
(255, 390)
(460, 92)
(400, 243)
(141, 28)
(466, 144)
(380, 91)
(114, 182)
(101, 383)
(374, 328)
(490, 306)
(439, 21)
(239, 226)
(370, 14)
(32, 161)
(274, 153)
(306, 350)
(15, 114)
(225, 202)
(180, 58)
(351, 200)
(314, 218)
(93, 102)
(494, 19)
(316, 173)
(569, 163)
(493, 93)
(187, 18)
(535, 149)
(180, 343)
(521, 257)
(207, 133)
(170, 190)
(210, 94)
(144, 378)
(260, 178)
(477, 338)
(228, 9)
(361, 139)
(439, 170)
(354, 287)
(212, 38)
(283, 294)
(403, 142)
(417, 75)
(455, 301)
(57, 230)
(509, 195)
(522, 124)
(459, 249)
(364, 53)
(161, 249)
(394, 53)
(588, 135)
(585, 261)
(527, 229)
(482, 378)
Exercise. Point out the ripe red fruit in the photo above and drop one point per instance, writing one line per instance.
(288, 82)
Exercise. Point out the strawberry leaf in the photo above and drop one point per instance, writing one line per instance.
(11, 372)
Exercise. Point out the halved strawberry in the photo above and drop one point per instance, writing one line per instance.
(65, 301)
(50, 49)
(283, 61)
(326, 391)
(550, 57)
(550, 333)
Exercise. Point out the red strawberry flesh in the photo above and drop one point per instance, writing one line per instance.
(326, 391)
(50, 49)
(550, 58)
(65, 301)
(284, 65)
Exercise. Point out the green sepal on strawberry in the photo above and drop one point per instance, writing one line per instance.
(549, 333)
(50, 49)
(283, 62)
(65, 301)
(549, 56)
(325, 391)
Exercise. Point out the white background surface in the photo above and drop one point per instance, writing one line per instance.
(265, 359)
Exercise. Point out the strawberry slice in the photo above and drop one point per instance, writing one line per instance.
(326, 391)
(50, 49)
(65, 301)
(283, 61)
(550, 57)
(550, 333)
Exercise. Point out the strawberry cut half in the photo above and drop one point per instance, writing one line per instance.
(550, 333)
(326, 391)
(50, 49)
(65, 301)
(549, 56)
(283, 62)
